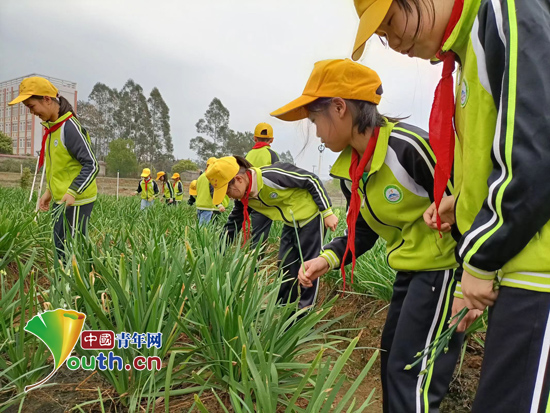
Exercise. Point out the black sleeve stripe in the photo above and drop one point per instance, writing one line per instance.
(294, 179)
(95, 168)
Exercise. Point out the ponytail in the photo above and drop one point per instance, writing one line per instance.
(64, 106)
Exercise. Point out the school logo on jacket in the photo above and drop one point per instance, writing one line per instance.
(393, 194)
(55, 143)
(464, 93)
(273, 195)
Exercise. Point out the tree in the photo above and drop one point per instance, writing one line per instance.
(160, 121)
(134, 120)
(6, 145)
(122, 158)
(98, 117)
(184, 165)
(90, 118)
(238, 143)
(286, 157)
(215, 127)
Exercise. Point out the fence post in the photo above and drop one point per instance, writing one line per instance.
(117, 182)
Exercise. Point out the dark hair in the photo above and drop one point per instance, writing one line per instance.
(364, 114)
(262, 139)
(64, 105)
(243, 166)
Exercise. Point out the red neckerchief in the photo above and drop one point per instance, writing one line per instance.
(355, 173)
(146, 181)
(259, 145)
(246, 221)
(442, 132)
(46, 133)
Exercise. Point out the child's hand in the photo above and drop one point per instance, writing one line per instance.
(68, 200)
(331, 222)
(478, 293)
(446, 213)
(221, 208)
(458, 305)
(314, 269)
(45, 200)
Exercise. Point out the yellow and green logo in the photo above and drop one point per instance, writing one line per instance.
(59, 330)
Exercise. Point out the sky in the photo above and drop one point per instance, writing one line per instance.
(254, 55)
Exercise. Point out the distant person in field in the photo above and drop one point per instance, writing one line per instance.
(260, 155)
(148, 189)
(386, 172)
(71, 166)
(284, 193)
(192, 193)
(178, 188)
(205, 206)
(167, 188)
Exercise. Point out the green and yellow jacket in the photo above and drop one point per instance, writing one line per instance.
(284, 190)
(395, 194)
(167, 190)
(178, 187)
(262, 156)
(71, 166)
(151, 192)
(503, 150)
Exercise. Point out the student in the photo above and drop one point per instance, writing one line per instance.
(192, 193)
(501, 166)
(167, 188)
(260, 155)
(385, 170)
(205, 207)
(178, 188)
(279, 192)
(71, 166)
(147, 188)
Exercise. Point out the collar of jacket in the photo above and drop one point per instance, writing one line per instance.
(460, 36)
(257, 182)
(48, 125)
(340, 168)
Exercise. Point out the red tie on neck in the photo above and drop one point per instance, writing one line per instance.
(355, 173)
(46, 133)
(259, 145)
(442, 132)
(246, 221)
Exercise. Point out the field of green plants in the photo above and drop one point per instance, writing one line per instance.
(227, 346)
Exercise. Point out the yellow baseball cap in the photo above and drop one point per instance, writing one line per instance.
(193, 188)
(176, 175)
(341, 78)
(210, 161)
(145, 173)
(263, 130)
(220, 174)
(371, 14)
(161, 173)
(34, 86)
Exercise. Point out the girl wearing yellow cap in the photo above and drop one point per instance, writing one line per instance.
(204, 204)
(282, 192)
(167, 188)
(386, 171)
(71, 166)
(502, 149)
(178, 188)
(147, 188)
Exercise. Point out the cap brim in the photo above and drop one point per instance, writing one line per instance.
(369, 22)
(193, 192)
(294, 110)
(19, 99)
(219, 194)
(144, 175)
